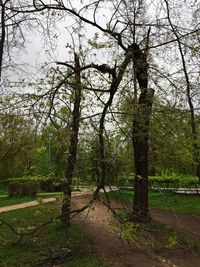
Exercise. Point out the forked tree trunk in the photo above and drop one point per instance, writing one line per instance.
(140, 137)
(71, 161)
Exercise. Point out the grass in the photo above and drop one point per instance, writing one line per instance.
(7, 201)
(51, 246)
(3, 191)
(186, 204)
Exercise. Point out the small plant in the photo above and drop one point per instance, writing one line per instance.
(123, 216)
(172, 241)
(191, 245)
(130, 231)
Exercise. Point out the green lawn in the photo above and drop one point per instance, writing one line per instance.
(187, 204)
(52, 242)
(3, 191)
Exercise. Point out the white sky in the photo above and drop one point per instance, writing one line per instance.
(38, 53)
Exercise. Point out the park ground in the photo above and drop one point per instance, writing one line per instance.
(97, 239)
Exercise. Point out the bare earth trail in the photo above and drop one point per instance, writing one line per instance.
(97, 225)
(189, 225)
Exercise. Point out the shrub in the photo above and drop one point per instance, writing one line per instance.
(52, 184)
(30, 188)
(15, 189)
(46, 185)
(18, 189)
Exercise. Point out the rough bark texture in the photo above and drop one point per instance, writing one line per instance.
(71, 161)
(3, 34)
(140, 143)
(141, 122)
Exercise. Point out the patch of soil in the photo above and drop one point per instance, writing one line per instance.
(189, 225)
(98, 226)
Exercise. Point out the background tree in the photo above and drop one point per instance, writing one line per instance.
(17, 145)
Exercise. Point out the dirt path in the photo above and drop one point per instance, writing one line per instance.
(97, 225)
(189, 225)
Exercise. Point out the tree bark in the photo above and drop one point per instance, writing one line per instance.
(141, 122)
(71, 161)
(140, 135)
(3, 36)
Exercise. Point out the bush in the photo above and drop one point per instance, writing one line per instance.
(46, 185)
(173, 181)
(52, 184)
(18, 189)
(30, 188)
(15, 189)
(164, 182)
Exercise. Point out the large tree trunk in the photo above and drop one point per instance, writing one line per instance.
(140, 144)
(2, 37)
(140, 133)
(71, 161)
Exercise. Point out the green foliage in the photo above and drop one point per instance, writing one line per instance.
(15, 189)
(130, 231)
(37, 178)
(18, 189)
(52, 184)
(122, 215)
(118, 159)
(17, 145)
(47, 183)
(75, 184)
(190, 245)
(51, 153)
(170, 142)
(173, 180)
(30, 188)
(172, 241)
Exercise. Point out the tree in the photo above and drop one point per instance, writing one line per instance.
(17, 145)
(136, 35)
(71, 161)
(188, 85)
(11, 33)
(170, 142)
